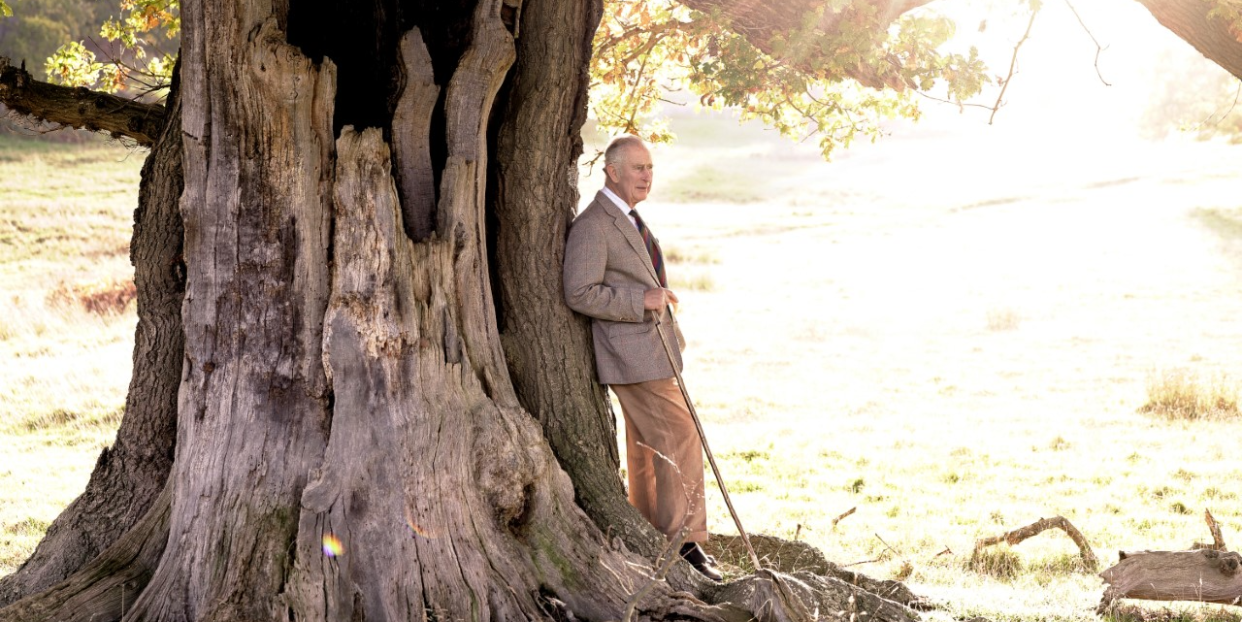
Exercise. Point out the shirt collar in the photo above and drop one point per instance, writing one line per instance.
(616, 200)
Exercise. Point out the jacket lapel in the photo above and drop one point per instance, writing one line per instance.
(629, 231)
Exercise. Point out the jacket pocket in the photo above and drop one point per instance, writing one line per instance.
(624, 329)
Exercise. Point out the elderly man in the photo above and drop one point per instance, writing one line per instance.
(614, 273)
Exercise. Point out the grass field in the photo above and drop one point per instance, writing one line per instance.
(66, 214)
(952, 341)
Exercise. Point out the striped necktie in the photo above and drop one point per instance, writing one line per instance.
(653, 247)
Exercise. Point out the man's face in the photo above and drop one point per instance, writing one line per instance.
(631, 177)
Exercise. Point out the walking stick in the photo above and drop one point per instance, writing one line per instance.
(698, 425)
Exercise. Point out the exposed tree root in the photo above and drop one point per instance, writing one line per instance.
(804, 596)
(1059, 522)
(107, 587)
(795, 558)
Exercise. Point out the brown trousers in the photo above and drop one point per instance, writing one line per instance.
(664, 458)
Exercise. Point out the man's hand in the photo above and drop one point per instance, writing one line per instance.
(658, 298)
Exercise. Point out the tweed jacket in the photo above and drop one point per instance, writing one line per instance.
(607, 270)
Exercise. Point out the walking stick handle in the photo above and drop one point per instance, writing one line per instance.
(698, 425)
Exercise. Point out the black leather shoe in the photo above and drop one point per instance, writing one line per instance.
(702, 562)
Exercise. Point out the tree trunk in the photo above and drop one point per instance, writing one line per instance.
(548, 347)
(354, 430)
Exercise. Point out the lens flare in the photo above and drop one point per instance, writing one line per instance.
(414, 526)
(332, 545)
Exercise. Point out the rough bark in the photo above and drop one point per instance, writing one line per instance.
(547, 346)
(254, 403)
(131, 473)
(350, 443)
(79, 107)
(343, 380)
(105, 588)
(1203, 575)
(1214, 37)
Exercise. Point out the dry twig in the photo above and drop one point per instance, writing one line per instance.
(1098, 47)
(843, 516)
(1013, 63)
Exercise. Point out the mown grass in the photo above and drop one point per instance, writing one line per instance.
(66, 333)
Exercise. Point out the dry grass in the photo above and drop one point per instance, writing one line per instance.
(1183, 394)
(1003, 319)
(837, 357)
(873, 345)
(104, 296)
(66, 333)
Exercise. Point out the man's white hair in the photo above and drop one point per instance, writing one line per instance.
(616, 151)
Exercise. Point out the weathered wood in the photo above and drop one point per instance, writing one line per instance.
(1203, 575)
(253, 411)
(1012, 538)
(411, 137)
(802, 597)
(1218, 538)
(791, 557)
(79, 107)
(106, 588)
(349, 443)
(463, 191)
(547, 346)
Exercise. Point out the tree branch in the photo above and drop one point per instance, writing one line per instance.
(1218, 539)
(760, 23)
(1022, 533)
(1213, 37)
(1098, 47)
(1013, 63)
(78, 107)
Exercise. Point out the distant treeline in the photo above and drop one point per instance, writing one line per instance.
(38, 27)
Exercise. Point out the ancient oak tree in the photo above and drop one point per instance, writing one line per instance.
(357, 394)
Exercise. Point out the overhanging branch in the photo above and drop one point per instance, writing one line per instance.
(78, 107)
(1214, 37)
(761, 23)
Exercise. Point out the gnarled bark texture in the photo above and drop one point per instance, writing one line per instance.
(379, 384)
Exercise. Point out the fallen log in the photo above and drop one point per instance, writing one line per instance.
(1209, 573)
(1203, 575)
